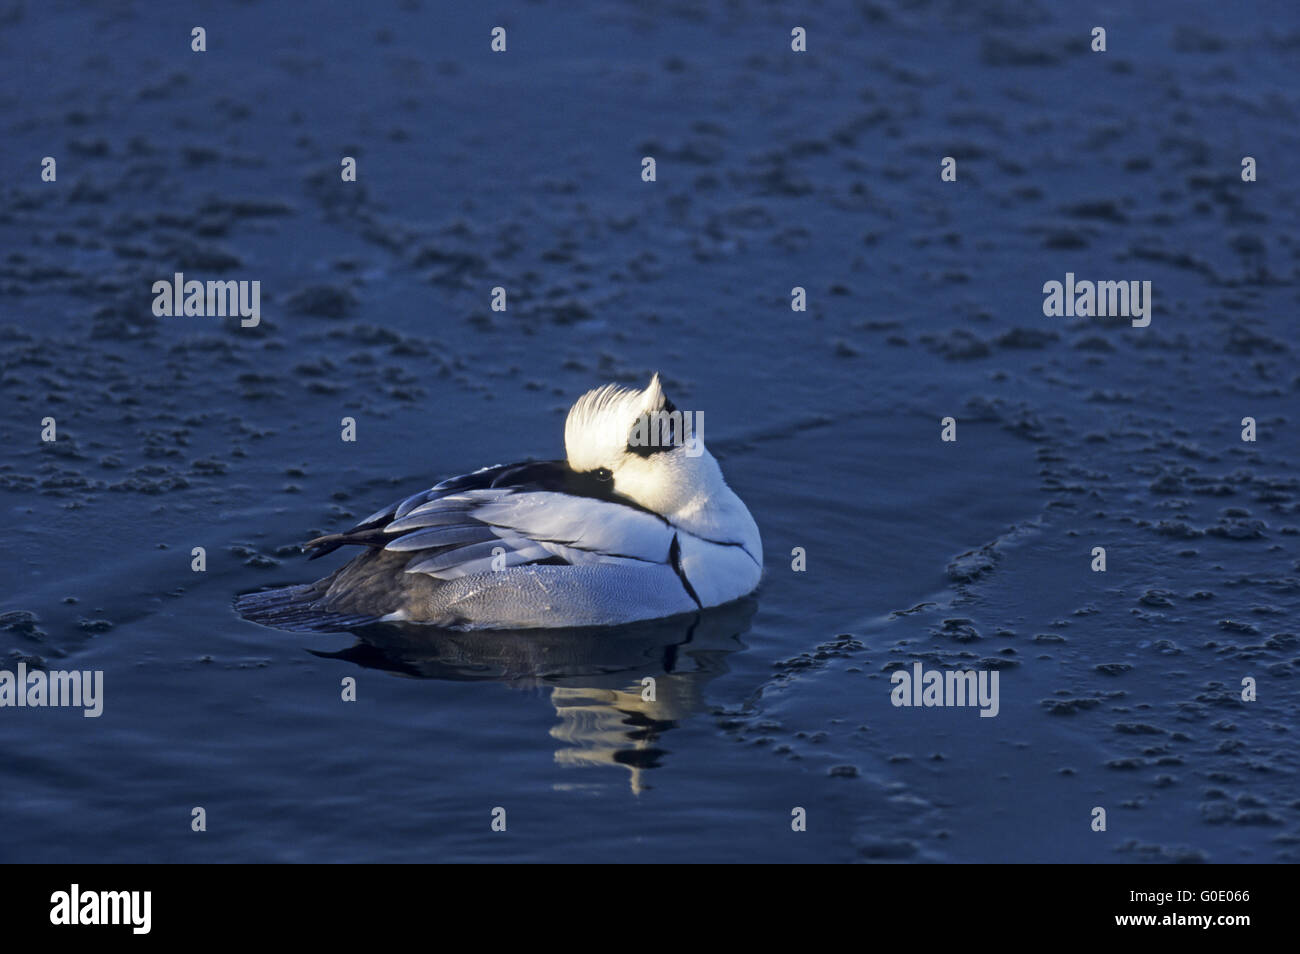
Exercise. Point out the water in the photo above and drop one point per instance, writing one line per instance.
(774, 170)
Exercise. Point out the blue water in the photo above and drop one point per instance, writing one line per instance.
(775, 169)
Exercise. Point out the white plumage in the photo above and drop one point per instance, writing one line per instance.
(616, 532)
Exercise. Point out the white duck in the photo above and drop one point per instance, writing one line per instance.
(630, 526)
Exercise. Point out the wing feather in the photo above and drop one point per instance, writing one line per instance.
(535, 512)
(441, 537)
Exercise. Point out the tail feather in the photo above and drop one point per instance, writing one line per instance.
(294, 608)
(330, 542)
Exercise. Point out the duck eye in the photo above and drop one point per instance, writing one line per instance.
(603, 473)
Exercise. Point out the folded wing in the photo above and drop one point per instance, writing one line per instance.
(511, 515)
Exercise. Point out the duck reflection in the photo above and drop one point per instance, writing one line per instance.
(616, 690)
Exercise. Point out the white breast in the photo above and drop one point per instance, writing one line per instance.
(717, 573)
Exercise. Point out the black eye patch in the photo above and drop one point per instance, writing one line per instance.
(657, 431)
